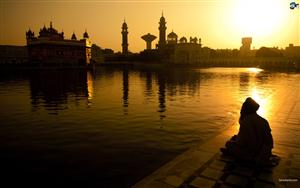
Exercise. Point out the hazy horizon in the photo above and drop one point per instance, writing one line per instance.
(220, 24)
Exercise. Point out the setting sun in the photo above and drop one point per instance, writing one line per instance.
(259, 18)
(219, 23)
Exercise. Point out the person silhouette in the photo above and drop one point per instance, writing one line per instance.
(254, 141)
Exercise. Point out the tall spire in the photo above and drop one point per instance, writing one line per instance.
(124, 38)
(162, 31)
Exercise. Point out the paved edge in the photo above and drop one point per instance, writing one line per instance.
(175, 172)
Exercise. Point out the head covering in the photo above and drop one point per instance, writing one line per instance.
(250, 106)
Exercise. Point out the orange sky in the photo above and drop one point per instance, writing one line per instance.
(219, 23)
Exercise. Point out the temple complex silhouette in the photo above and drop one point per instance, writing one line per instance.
(51, 47)
(170, 48)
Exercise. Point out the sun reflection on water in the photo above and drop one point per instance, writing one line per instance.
(263, 102)
(254, 70)
(260, 94)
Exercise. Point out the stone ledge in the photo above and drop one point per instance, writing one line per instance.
(186, 164)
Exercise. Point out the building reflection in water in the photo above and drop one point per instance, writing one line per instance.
(52, 89)
(161, 81)
(244, 81)
(125, 90)
(148, 83)
(170, 82)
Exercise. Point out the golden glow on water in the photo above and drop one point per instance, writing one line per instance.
(90, 85)
(163, 111)
(263, 102)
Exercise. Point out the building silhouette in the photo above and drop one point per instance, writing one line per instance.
(292, 51)
(13, 55)
(171, 49)
(124, 38)
(162, 32)
(179, 51)
(245, 49)
(51, 47)
(148, 38)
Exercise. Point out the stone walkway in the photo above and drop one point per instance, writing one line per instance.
(204, 167)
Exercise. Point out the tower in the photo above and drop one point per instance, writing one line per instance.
(162, 32)
(148, 38)
(124, 38)
(246, 43)
(245, 49)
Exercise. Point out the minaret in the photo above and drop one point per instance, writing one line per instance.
(124, 38)
(162, 32)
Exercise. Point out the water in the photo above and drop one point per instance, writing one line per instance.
(114, 126)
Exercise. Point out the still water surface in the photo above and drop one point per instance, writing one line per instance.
(113, 126)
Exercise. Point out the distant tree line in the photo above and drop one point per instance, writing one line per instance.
(100, 55)
(269, 52)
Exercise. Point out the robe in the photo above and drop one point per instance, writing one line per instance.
(254, 140)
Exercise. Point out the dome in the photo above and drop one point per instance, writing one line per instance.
(74, 37)
(44, 28)
(172, 38)
(51, 29)
(183, 40)
(193, 40)
(172, 35)
(29, 31)
(85, 34)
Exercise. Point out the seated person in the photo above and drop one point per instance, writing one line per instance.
(254, 140)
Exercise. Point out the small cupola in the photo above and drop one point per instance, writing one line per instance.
(74, 36)
(85, 35)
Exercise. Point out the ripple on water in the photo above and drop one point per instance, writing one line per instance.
(102, 125)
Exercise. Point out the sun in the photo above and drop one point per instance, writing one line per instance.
(258, 18)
